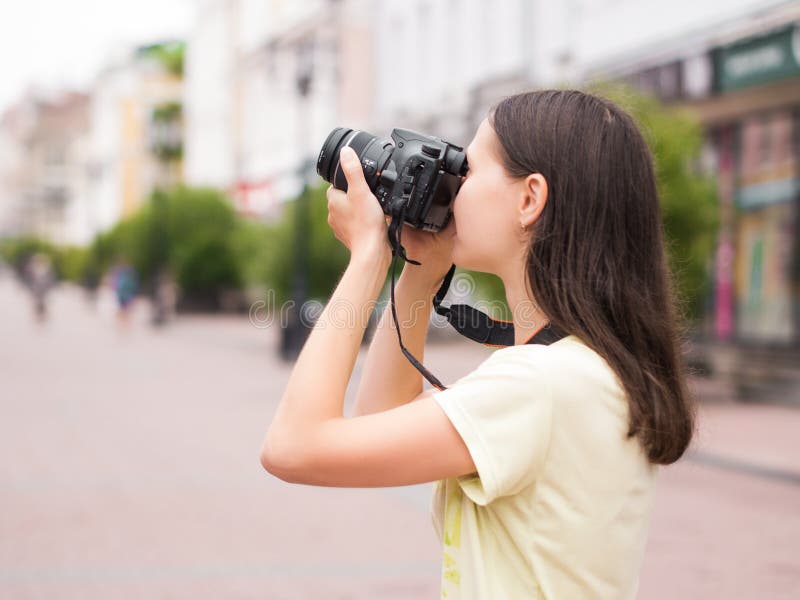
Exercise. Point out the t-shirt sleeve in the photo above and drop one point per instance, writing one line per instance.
(503, 412)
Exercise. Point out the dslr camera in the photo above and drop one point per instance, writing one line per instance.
(410, 172)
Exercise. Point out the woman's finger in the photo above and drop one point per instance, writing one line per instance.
(356, 184)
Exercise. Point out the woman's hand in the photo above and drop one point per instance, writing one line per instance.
(358, 221)
(433, 250)
(356, 216)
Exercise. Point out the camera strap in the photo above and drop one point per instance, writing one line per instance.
(466, 320)
(395, 237)
(480, 327)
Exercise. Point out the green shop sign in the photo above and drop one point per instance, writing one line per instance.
(758, 60)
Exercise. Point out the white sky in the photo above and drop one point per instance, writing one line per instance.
(55, 44)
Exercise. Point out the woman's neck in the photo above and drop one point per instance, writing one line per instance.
(528, 317)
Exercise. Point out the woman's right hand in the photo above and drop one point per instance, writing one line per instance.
(433, 250)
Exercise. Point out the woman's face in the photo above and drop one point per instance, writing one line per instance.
(486, 208)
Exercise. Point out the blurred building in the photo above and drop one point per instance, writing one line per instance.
(15, 124)
(441, 64)
(209, 99)
(266, 81)
(74, 164)
(738, 68)
(136, 134)
(44, 159)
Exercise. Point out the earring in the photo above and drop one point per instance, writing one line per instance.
(524, 227)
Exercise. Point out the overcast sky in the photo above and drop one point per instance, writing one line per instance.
(63, 43)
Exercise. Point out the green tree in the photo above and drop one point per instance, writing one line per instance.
(200, 227)
(327, 257)
(17, 251)
(253, 245)
(73, 263)
(169, 54)
(190, 231)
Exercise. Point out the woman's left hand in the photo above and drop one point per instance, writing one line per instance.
(356, 216)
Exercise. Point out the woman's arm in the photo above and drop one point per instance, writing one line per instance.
(389, 379)
(309, 440)
(316, 388)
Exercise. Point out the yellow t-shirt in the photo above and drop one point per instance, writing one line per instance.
(560, 505)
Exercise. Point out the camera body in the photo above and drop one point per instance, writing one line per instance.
(422, 172)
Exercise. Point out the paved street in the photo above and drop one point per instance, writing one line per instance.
(130, 469)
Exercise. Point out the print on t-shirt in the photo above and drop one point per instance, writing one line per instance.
(451, 537)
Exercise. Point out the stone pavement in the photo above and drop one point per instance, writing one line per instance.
(130, 469)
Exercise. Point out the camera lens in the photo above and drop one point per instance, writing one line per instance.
(328, 159)
(328, 156)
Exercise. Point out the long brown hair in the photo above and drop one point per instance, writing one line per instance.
(596, 263)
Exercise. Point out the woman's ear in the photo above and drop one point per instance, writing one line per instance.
(533, 199)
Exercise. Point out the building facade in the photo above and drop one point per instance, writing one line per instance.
(135, 117)
(741, 76)
(15, 126)
(74, 164)
(266, 81)
(44, 168)
(440, 65)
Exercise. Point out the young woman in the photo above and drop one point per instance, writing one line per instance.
(545, 456)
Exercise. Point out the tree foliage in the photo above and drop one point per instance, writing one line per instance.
(188, 231)
(327, 257)
(169, 54)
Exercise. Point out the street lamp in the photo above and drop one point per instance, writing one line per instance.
(298, 325)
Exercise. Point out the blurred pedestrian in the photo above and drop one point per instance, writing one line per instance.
(39, 278)
(91, 281)
(125, 281)
(165, 297)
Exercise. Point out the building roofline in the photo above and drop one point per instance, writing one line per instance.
(756, 23)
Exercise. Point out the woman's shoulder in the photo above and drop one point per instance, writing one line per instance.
(567, 363)
(569, 351)
(567, 367)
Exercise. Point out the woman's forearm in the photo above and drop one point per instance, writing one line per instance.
(388, 379)
(316, 388)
